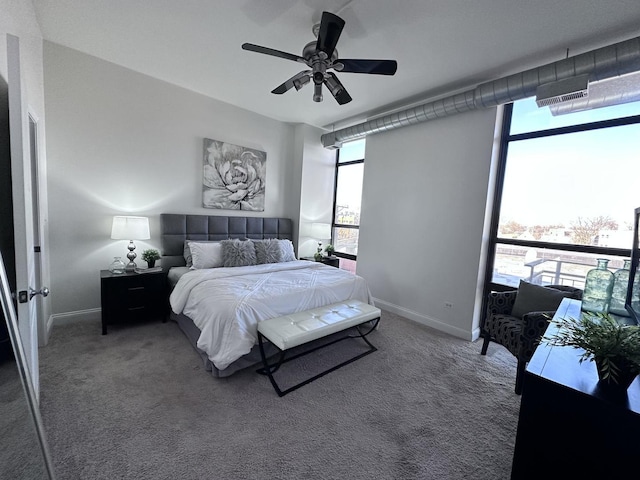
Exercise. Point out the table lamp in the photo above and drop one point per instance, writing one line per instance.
(130, 228)
(321, 231)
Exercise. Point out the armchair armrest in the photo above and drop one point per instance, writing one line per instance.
(535, 324)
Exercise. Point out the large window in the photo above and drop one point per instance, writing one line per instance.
(566, 193)
(348, 196)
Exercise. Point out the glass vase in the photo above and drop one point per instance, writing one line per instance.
(117, 266)
(619, 292)
(598, 288)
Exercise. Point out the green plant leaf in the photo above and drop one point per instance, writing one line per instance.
(614, 346)
(150, 255)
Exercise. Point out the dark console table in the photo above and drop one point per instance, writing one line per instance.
(568, 427)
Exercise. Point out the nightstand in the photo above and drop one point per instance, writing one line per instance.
(131, 296)
(332, 261)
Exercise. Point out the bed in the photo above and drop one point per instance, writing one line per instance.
(218, 302)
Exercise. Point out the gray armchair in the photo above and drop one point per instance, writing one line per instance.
(517, 319)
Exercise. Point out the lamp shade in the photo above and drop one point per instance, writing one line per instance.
(321, 231)
(130, 228)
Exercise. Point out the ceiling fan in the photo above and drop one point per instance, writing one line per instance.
(321, 56)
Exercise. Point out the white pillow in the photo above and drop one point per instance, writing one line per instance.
(288, 255)
(187, 251)
(206, 254)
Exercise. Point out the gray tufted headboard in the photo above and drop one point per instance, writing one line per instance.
(176, 228)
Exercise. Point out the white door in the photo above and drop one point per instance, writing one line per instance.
(43, 332)
(21, 182)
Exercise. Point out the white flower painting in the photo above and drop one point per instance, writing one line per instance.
(234, 177)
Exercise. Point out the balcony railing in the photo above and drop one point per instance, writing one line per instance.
(546, 266)
(555, 276)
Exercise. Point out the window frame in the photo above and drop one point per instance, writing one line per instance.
(494, 238)
(335, 225)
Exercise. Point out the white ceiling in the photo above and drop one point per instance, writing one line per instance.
(440, 45)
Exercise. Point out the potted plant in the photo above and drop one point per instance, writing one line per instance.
(318, 255)
(329, 249)
(613, 346)
(150, 256)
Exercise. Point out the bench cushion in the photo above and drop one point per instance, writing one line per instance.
(298, 328)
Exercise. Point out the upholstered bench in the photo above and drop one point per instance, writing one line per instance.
(299, 328)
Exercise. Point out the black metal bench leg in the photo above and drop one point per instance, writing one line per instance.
(270, 369)
(363, 336)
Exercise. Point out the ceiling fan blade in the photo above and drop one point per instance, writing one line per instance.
(330, 29)
(337, 89)
(270, 51)
(299, 80)
(376, 67)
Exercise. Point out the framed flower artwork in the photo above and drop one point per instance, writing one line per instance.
(233, 176)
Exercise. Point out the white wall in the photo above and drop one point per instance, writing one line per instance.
(121, 142)
(316, 186)
(423, 209)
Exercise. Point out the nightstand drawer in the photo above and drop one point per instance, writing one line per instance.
(132, 294)
(135, 297)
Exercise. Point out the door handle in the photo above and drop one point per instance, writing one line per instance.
(44, 291)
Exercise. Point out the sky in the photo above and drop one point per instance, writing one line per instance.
(351, 175)
(555, 179)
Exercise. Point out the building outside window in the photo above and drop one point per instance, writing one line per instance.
(347, 201)
(566, 193)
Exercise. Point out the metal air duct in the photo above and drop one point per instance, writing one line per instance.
(605, 62)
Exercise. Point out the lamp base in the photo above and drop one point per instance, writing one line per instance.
(131, 266)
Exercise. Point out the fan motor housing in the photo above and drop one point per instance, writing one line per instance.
(309, 51)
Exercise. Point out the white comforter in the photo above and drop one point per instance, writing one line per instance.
(226, 304)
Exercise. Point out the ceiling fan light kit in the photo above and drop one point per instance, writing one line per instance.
(321, 56)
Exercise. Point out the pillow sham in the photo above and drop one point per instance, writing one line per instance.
(268, 251)
(288, 255)
(205, 254)
(186, 251)
(238, 253)
(536, 298)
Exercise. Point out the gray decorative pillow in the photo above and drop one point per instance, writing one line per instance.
(238, 253)
(536, 298)
(268, 251)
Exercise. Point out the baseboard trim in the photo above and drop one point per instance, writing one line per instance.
(73, 317)
(49, 326)
(96, 314)
(425, 320)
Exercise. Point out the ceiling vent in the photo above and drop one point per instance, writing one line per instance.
(562, 91)
(604, 93)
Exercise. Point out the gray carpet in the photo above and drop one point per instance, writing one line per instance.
(137, 404)
(20, 456)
